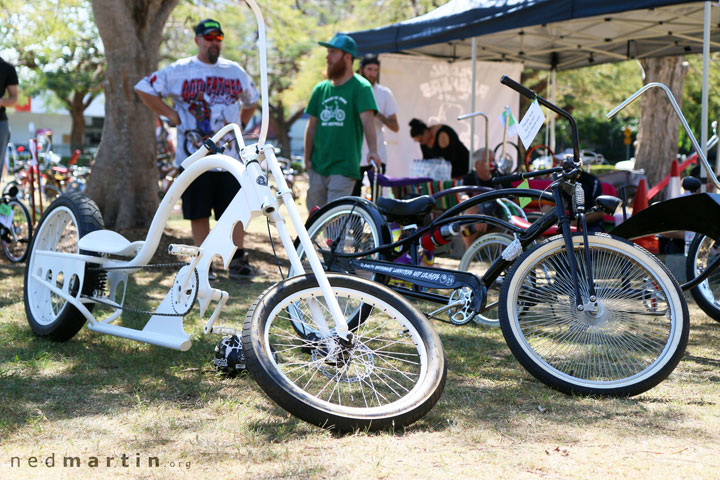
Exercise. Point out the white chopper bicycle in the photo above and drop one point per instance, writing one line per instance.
(373, 361)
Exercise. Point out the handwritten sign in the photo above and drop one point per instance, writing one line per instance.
(530, 124)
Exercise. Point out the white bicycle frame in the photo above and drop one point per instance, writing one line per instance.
(254, 198)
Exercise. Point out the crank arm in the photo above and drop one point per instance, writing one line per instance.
(446, 308)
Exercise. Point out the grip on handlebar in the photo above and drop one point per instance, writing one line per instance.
(520, 176)
(521, 89)
(505, 179)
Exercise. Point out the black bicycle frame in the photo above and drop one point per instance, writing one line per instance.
(439, 278)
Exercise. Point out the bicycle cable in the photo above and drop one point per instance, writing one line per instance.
(272, 244)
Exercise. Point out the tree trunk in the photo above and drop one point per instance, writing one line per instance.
(77, 133)
(124, 178)
(659, 125)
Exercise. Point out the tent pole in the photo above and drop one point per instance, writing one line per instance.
(705, 77)
(553, 79)
(472, 108)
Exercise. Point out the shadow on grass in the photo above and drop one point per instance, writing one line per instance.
(94, 374)
(100, 374)
(13, 291)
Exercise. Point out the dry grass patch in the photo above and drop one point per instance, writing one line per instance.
(99, 396)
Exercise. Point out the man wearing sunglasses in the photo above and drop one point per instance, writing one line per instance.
(208, 92)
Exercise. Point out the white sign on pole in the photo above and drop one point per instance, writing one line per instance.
(530, 124)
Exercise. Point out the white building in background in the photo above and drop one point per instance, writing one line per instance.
(297, 136)
(26, 120)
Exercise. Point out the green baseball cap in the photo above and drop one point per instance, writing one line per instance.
(207, 26)
(342, 42)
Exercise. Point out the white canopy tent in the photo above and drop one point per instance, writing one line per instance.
(555, 34)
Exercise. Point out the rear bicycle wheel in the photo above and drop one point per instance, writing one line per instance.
(66, 220)
(701, 253)
(391, 374)
(351, 226)
(477, 259)
(16, 238)
(624, 345)
(347, 225)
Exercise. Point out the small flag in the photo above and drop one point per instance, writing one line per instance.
(512, 123)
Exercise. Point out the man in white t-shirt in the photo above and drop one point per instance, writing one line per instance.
(208, 92)
(386, 115)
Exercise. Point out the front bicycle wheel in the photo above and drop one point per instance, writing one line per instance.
(66, 220)
(16, 236)
(624, 344)
(477, 259)
(390, 375)
(701, 253)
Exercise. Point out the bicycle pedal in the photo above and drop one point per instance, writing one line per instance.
(229, 356)
(183, 250)
(224, 330)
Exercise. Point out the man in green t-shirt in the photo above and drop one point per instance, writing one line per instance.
(341, 109)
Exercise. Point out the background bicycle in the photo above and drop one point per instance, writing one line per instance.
(15, 227)
(564, 316)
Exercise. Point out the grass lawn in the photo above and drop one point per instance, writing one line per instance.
(97, 396)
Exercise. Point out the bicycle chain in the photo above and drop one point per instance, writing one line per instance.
(147, 267)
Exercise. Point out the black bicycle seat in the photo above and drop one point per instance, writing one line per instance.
(406, 212)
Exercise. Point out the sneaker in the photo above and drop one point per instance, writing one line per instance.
(240, 268)
(211, 273)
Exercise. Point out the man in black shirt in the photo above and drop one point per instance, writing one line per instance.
(8, 83)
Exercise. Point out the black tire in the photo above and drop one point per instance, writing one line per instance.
(510, 162)
(16, 241)
(633, 341)
(66, 220)
(352, 222)
(701, 253)
(369, 391)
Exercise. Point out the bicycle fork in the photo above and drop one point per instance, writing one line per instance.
(564, 224)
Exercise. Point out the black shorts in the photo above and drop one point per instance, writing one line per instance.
(211, 191)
